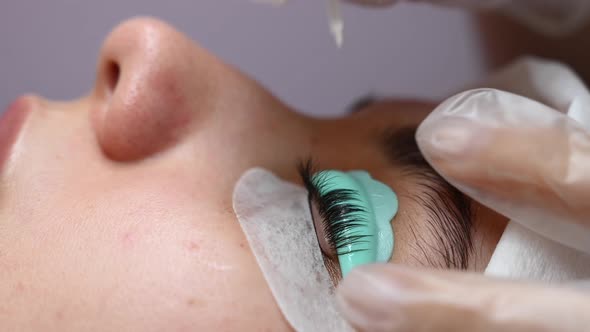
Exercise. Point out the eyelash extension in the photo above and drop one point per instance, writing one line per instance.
(337, 216)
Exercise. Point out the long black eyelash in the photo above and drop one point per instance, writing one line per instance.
(337, 216)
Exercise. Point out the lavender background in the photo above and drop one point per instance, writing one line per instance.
(51, 47)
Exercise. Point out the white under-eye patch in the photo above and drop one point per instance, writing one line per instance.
(276, 219)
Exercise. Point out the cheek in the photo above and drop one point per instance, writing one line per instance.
(154, 262)
(199, 267)
(188, 253)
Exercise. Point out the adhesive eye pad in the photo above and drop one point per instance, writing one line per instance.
(369, 226)
(276, 220)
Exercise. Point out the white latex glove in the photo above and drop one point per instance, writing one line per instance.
(525, 155)
(550, 17)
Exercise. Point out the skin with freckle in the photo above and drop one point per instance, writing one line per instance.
(116, 211)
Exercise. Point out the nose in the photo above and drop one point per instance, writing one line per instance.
(149, 89)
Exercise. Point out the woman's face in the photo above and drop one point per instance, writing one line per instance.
(116, 211)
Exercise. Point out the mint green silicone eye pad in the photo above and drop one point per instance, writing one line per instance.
(355, 213)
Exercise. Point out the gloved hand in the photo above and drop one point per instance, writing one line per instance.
(550, 17)
(525, 155)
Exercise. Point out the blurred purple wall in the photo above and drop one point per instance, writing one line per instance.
(51, 47)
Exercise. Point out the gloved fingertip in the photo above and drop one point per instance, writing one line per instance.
(389, 297)
(450, 139)
(461, 126)
(369, 298)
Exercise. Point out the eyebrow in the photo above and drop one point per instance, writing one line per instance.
(450, 213)
(361, 103)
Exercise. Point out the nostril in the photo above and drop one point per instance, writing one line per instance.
(113, 70)
(108, 76)
(147, 81)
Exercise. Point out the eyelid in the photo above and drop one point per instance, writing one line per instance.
(450, 213)
(356, 212)
(344, 219)
(341, 211)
